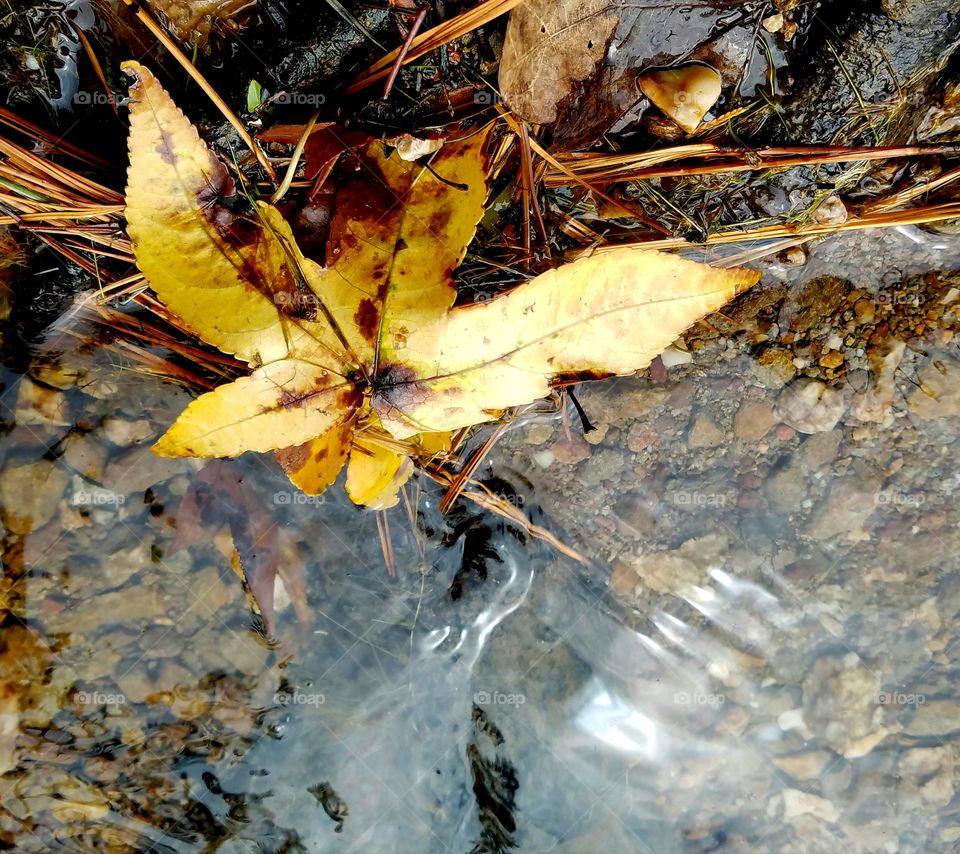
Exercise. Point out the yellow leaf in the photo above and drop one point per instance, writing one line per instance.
(373, 337)
(219, 273)
(284, 403)
(608, 314)
(398, 233)
(314, 465)
(375, 473)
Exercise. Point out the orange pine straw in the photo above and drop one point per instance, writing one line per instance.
(630, 167)
(432, 39)
(915, 216)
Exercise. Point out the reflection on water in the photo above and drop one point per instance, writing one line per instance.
(761, 656)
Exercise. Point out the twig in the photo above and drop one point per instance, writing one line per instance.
(200, 80)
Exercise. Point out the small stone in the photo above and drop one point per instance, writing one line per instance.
(773, 23)
(820, 450)
(831, 359)
(785, 490)
(939, 393)
(926, 772)
(140, 468)
(935, 718)
(570, 451)
(831, 211)
(634, 515)
(704, 433)
(841, 704)
(793, 256)
(605, 464)
(775, 366)
(673, 571)
(804, 766)
(754, 420)
(124, 433)
(84, 455)
(844, 511)
(797, 803)
(30, 493)
(538, 433)
(673, 357)
(597, 434)
(785, 433)
(810, 406)
(640, 438)
(864, 310)
(39, 405)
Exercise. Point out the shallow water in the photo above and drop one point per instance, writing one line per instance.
(760, 655)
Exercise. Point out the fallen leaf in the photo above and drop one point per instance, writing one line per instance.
(574, 65)
(549, 47)
(383, 355)
(263, 549)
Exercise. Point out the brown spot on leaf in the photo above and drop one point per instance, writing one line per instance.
(295, 458)
(366, 318)
(165, 149)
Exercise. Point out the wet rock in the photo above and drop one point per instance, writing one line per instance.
(673, 571)
(704, 433)
(634, 515)
(754, 420)
(774, 366)
(797, 803)
(926, 777)
(810, 407)
(820, 450)
(124, 433)
(786, 489)
(672, 357)
(570, 451)
(139, 468)
(875, 405)
(804, 766)
(845, 510)
(30, 493)
(84, 455)
(939, 393)
(818, 302)
(935, 718)
(605, 464)
(841, 706)
(39, 405)
(9, 725)
(537, 434)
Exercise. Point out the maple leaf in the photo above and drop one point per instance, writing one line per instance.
(364, 360)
